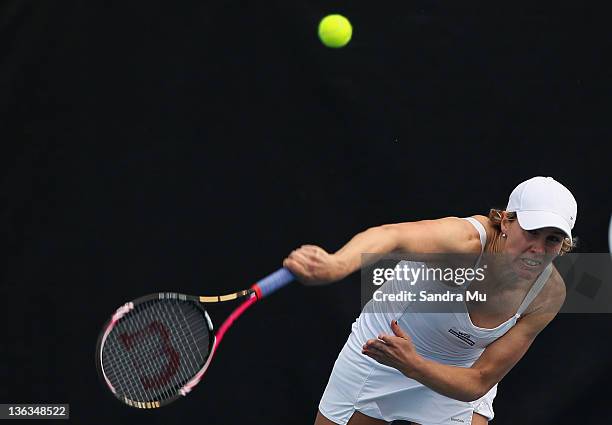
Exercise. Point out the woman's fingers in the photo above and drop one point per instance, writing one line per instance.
(312, 252)
(386, 339)
(398, 331)
(295, 266)
(299, 256)
(312, 248)
(302, 265)
(375, 344)
(313, 265)
(372, 349)
(374, 355)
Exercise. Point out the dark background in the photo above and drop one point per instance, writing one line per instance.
(189, 146)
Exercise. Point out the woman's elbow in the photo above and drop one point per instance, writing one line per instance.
(473, 395)
(482, 388)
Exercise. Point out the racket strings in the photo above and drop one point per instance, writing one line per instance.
(193, 355)
(186, 375)
(122, 371)
(151, 348)
(139, 389)
(154, 363)
(183, 374)
(156, 335)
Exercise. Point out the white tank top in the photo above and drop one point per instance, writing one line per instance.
(449, 338)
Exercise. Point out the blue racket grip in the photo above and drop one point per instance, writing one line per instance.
(273, 282)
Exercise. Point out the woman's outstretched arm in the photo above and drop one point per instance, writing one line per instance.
(313, 265)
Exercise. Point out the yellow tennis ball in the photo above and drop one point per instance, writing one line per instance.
(335, 31)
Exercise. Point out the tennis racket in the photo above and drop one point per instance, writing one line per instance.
(155, 349)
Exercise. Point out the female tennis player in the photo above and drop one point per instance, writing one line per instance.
(443, 368)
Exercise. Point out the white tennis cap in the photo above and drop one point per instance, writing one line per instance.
(543, 202)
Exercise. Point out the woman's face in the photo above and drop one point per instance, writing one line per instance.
(530, 251)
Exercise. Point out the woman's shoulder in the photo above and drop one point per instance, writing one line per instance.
(551, 297)
(450, 235)
(466, 234)
(554, 289)
(490, 229)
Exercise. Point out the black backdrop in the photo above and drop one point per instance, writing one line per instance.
(189, 146)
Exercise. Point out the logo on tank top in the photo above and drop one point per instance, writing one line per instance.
(463, 336)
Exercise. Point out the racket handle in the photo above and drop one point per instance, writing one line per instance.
(273, 282)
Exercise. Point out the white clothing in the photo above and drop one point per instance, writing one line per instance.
(360, 383)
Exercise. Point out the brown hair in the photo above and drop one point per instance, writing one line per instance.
(495, 216)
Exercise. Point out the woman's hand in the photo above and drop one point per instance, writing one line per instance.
(313, 265)
(396, 351)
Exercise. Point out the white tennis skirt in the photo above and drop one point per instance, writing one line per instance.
(358, 382)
